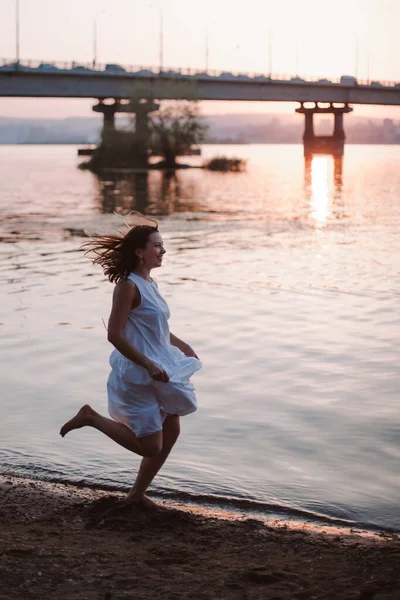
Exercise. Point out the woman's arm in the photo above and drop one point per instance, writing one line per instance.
(125, 294)
(183, 346)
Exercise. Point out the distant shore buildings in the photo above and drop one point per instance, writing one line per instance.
(255, 128)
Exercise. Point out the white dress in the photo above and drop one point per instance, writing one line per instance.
(134, 398)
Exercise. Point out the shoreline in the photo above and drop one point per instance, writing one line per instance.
(224, 508)
(79, 543)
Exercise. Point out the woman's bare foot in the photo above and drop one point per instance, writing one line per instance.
(142, 502)
(81, 419)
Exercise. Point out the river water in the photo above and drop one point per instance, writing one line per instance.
(285, 280)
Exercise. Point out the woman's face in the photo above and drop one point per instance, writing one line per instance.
(153, 254)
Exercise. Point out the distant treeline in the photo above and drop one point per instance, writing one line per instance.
(234, 129)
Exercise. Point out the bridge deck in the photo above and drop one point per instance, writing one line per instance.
(47, 80)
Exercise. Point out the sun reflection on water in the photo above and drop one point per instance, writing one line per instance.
(320, 202)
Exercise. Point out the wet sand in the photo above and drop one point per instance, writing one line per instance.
(75, 543)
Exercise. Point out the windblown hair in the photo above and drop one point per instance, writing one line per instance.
(116, 254)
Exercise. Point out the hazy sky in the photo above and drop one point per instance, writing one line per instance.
(322, 35)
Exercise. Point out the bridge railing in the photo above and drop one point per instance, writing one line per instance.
(137, 70)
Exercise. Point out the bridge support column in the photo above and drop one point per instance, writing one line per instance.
(309, 126)
(126, 147)
(338, 131)
(323, 144)
(108, 111)
(141, 110)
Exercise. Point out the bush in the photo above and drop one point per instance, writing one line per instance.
(224, 164)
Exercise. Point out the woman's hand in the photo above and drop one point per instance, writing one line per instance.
(183, 346)
(188, 351)
(156, 372)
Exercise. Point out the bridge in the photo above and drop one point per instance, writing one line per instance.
(70, 80)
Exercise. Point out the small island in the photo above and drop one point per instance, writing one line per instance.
(169, 131)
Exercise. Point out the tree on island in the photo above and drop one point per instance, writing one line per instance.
(174, 129)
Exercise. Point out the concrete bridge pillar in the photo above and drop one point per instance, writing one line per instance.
(338, 131)
(141, 109)
(309, 125)
(324, 144)
(139, 140)
(108, 111)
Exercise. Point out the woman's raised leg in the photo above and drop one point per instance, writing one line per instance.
(150, 466)
(149, 446)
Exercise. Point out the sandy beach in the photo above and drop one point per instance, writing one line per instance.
(71, 542)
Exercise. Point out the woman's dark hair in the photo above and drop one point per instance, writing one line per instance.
(116, 254)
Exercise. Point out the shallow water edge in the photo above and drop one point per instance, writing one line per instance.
(224, 508)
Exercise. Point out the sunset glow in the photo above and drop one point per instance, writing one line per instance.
(356, 37)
